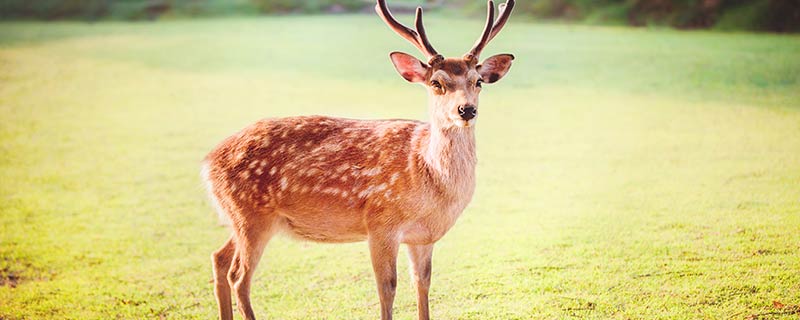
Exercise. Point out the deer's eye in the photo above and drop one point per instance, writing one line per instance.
(436, 84)
(479, 83)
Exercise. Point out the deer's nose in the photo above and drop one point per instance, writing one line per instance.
(467, 112)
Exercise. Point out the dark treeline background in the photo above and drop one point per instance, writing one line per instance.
(755, 15)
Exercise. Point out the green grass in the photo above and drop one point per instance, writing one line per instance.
(623, 174)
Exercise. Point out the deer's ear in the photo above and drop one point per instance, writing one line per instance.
(409, 67)
(495, 67)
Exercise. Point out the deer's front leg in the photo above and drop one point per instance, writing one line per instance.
(420, 256)
(383, 249)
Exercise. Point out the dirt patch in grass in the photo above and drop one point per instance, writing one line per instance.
(9, 278)
(14, 271)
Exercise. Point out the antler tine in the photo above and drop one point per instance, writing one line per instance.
(423, 37)
(492, 28)
(487, 30)
(502, 18)
(418, 38)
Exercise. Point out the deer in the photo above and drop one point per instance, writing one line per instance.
(337, 180)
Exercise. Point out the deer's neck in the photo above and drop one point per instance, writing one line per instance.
(449, 154)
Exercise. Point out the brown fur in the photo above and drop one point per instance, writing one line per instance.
(454, 66)
(335, 180)
(329, 191)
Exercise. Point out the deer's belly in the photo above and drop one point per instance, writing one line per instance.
(324, 226)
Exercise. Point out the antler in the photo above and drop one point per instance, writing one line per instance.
(492, 28)
(418, 38)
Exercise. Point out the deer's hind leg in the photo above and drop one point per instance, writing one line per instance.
(221, 263)
(251, 237)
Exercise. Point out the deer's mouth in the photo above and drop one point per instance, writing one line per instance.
(461, 123)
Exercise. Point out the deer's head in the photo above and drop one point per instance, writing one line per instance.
(453, 84)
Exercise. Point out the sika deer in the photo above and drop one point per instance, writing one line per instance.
(339, 180)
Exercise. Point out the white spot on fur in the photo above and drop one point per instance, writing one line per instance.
(327, 148)
(394, 177)
(273, 170)
(372, 189)
(371, 172)
(284, 183)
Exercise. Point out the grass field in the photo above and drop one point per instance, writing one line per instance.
(623, 173)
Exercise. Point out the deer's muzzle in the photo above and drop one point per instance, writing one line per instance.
(467, 112)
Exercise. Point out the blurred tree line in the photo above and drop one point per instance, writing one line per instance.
(758, 15)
